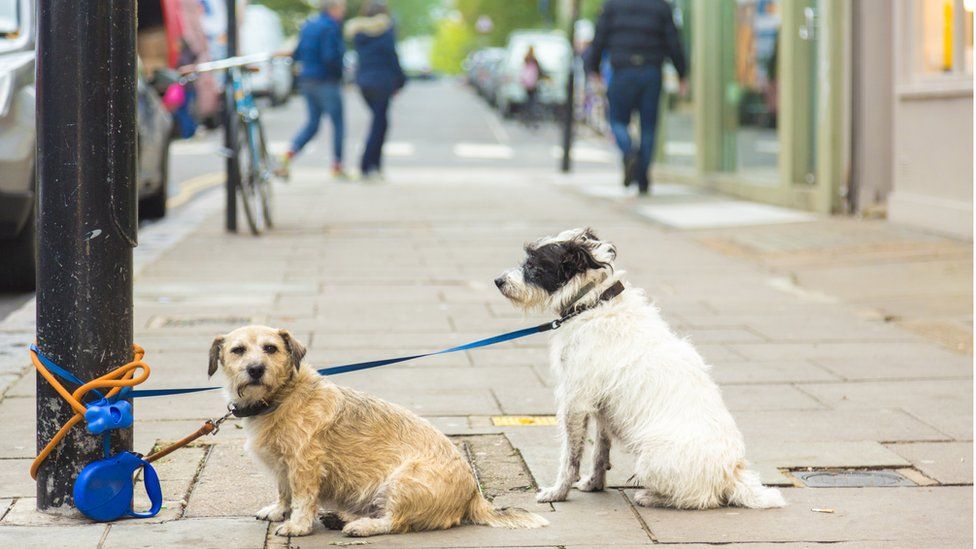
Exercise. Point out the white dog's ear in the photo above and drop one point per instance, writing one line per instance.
(215, 348)
(294, 347)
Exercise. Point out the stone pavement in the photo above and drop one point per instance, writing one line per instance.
(367, 271)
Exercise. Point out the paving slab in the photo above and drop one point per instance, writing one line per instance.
(946, 462)
(768, 397)
(945, 404)
(834, 425)
(893, 368)
(571, 525)
(41, 537)
(231, 484)
(523, 399)
(204, 533)
(15, 480)
(925, 517)
(779, 371)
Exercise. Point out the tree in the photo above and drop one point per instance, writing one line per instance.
(507, 15)
(453, 39)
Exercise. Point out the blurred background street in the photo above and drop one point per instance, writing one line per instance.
(808, 226)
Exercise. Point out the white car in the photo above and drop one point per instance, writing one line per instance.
(261, 32)
(554, 54)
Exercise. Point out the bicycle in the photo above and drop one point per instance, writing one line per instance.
(256, 166)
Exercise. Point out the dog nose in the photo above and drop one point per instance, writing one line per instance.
(255, 371)
(499, 282)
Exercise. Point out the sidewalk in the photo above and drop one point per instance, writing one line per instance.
(815, 377)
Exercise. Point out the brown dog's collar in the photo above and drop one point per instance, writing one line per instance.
(613, 291)
(257, 409)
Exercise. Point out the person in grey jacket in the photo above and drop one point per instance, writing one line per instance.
(636, 36)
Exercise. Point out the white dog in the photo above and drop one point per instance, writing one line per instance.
(617, 362)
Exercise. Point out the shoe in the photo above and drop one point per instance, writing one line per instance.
(283, 169)
(630, 167)
(338, 173)
(644, 184)
(372, 176)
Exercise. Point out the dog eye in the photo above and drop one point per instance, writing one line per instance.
(270, 349)
(239, 350)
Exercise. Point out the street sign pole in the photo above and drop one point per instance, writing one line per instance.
(230, 125)
(86, 171)
(570, 110)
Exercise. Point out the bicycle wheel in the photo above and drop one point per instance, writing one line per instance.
(247, 187)
(267, 170)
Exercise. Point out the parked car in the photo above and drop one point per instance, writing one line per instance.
(554, 53)
(261, 32)
(414, 56)
(482, 72)
(18, 143)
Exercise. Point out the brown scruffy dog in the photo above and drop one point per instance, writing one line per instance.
(385, 469)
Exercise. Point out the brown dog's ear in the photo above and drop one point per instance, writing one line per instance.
(218, 344)
(294, 347)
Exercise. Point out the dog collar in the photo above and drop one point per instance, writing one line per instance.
(613, 291)
(257, 409)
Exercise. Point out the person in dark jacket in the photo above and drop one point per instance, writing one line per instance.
(637, 36)
(378, 76)
(320, 50)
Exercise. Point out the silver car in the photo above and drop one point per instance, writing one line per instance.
(17, 146)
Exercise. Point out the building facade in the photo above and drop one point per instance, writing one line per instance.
(830, 106)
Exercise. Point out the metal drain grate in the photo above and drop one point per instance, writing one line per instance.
(852, 478)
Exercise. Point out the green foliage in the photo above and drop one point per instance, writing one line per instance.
(507, 16)
(292, 12)
(590, 9)
(453, 39)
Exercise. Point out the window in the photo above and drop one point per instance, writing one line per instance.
(943, 37)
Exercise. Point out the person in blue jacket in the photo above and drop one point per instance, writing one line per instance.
(378, 76)
(319, 52)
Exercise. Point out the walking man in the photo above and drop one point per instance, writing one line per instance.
(636, 36)
(320, 50)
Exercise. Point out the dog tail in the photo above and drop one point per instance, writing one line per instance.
(481, 512)
(748, 491)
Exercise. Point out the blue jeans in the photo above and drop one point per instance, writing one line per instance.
(323, 98)
(635, 89)
(378, 101)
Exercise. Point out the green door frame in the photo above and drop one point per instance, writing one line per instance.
(832, 132)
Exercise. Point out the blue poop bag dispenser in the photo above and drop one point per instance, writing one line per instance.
(103, 490)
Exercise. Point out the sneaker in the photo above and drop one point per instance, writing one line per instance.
(283, 169)
(372, 176)
(338, 173)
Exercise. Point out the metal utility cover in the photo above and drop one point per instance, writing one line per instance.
(852, 479)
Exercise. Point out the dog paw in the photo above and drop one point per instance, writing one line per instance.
(292, 528)
(646, 498)
(549, 495)
(332, 521)
(273, 513)
(592, 483)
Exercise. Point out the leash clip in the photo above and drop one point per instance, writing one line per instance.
(555, 324)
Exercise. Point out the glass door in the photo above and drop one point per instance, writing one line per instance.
(806, 91)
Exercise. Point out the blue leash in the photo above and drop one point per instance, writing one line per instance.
(128, 392)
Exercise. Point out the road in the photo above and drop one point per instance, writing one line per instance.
(436, 123)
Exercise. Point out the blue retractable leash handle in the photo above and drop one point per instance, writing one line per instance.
(104, 489)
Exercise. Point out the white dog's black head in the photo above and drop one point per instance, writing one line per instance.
(557, 268)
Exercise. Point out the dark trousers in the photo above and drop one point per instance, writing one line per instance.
(635, 89)
(378, 101)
